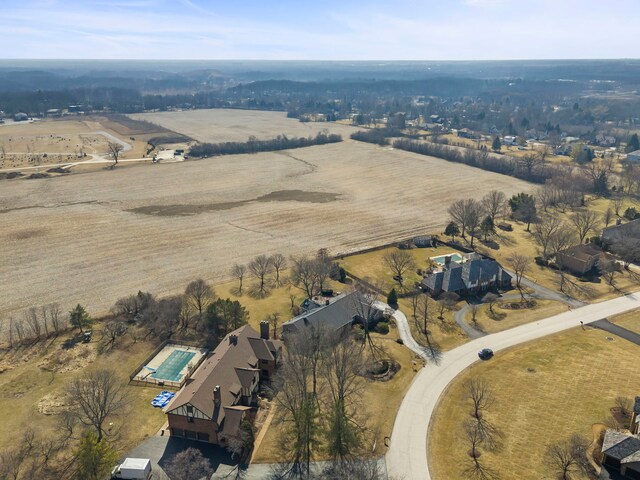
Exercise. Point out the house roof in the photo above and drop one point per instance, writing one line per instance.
(458, 276)
(621, 446)
(230, 366)
(232, 419)
(636, 406)
(340, 312)
(616, 233)
(583, 252)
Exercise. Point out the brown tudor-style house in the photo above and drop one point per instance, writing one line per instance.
(222, 392)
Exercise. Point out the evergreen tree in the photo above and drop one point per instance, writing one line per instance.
(487, 227)
(94, 459)
(392, 298)
(79, 318)
(496, 146)
(452, 230)
(633, 144)
(523, 208)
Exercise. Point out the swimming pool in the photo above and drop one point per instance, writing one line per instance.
(171, 368)
(455, 257)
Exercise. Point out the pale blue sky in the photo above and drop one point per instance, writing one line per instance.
(320, 29)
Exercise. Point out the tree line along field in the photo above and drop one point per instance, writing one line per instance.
(229, 125)
(92, 238)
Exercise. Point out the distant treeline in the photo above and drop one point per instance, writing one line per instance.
(527, 169)
(379, 136)
(253, 145)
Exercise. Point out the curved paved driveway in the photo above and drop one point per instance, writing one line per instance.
(407, 455)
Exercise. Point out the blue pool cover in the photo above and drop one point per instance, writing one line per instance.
(162, 399)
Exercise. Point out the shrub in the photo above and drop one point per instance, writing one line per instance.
(382, 328)
(631, 213)
(541, 261)
(392, 298)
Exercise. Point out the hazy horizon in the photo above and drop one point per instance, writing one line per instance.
(403, 30)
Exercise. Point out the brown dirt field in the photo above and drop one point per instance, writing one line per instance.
(77, 239)
(544, 391)
(228, 125)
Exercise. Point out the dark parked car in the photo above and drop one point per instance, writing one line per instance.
(485, 354)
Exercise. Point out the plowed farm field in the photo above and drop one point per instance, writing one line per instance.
(92, 238)
(228, 125)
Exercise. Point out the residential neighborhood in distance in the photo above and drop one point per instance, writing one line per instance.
(319, 240)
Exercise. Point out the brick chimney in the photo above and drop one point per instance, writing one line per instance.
(233, 339)
(264, 330)
(216, 396)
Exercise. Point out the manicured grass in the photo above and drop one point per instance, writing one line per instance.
(505, 318)
(629, 320)
(371, 265)
(448, 335)
(545, 391)
(278, 300)
(380, 401)
(520, 241)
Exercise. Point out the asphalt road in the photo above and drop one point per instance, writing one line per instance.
(407, 455)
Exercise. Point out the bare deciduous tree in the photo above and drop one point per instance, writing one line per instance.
(297, 409)
(585, 221)
(239, 271)
(261, 267)
(607, 217)
(494, 203)
(115, 149)
(274, 320)
(279, 263)
(519, 264)
(304, 276)
(475, 469)
(95, 397)
(447, 301)
(199, 295)
(617, 201)
(399, 261)
(188, 464)
(475, 309)
(479, 392)
(113, 329)
(568, 457)
(490, 298)
(422, 321)
(608, 268)
(341, 366)
(544, 230)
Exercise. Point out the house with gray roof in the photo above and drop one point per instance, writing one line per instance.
(621, 231)
(221, 393)
(473, 276)
(621, 455)
(336, 315)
